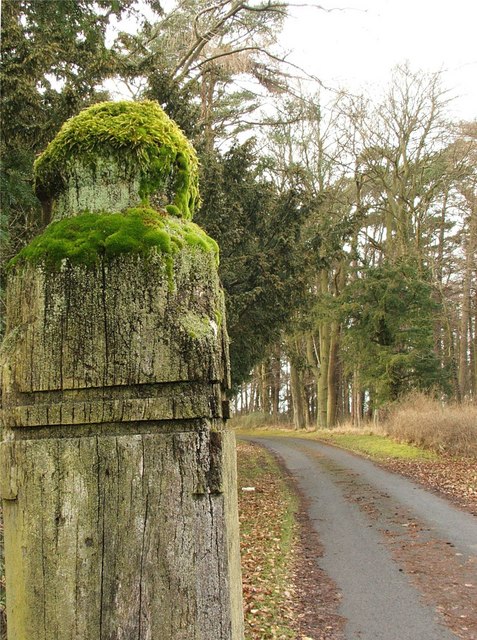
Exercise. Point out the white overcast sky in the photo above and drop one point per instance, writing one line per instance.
(356, 45)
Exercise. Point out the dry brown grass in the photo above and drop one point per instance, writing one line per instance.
(258, 420)
(427, 422)
(366, 428)
(417, 419)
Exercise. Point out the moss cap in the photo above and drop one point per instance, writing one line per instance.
(140, 137)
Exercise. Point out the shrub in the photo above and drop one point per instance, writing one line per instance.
(426, 421)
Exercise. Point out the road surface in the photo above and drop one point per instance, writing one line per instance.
(403, 559)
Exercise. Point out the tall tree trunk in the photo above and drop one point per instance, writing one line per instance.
(463, 370)
(474, 351)
(332, 395)
(335, 332)
(324, 333)
(265, 387)
(438, 276)
(322, 386)
(276, 382)
(356, 400)
(313, 359)
(346, 387)
(450, 351)
(297, 394)
(468, 347)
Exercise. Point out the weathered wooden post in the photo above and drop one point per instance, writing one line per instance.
(117, 474)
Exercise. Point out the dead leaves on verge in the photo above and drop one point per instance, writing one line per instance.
(456, 478)
(266, 523)
(286, 594)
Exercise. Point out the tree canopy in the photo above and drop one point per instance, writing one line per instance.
(347, 225)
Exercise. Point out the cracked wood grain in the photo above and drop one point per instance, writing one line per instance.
(118, 478)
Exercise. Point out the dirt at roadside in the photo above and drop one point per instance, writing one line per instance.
(316, 596)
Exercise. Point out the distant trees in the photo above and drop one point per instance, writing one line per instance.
(388, 313)
(392, 303)
(223, 53)
(348, 229)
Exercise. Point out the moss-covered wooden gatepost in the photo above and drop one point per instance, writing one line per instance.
(118, 476)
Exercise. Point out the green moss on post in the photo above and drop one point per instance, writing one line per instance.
(86, 238)
(109, 157)
(117, 474)
(133, 143)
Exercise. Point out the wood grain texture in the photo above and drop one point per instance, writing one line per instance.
(122, 322)
(117, 474)
(120, 537)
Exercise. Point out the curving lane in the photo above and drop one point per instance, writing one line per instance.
(404, 560)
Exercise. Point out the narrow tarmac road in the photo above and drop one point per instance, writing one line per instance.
(403, 559)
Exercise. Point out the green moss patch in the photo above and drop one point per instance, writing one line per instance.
(140, 136)
(85, 238)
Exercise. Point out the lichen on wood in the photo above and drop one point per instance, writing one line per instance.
(117, 472)
(129, 540)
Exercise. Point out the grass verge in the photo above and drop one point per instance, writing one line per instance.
(376, 446)
(266, 510)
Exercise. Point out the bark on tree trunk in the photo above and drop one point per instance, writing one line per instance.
(322, 386)
(265, 387)
(314, 362)
(332, 396)
(463, 371)
(296, 384)
(470, 248)
(357, 403)
(276, 382)
(474, 353)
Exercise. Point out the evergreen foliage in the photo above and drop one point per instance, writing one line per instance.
(263, 259)
(389, 313)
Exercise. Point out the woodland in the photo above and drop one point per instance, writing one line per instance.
(347, 225)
